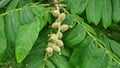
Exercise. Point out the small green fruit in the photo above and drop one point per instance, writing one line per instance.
(64, 27)
(49, 51)
(59, 43)
(61, 17)
(50, 44)
(56, 49)
(56, 13)
(55, 25)
(53, 37)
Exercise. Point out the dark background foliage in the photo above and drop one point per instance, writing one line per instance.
(92, 42)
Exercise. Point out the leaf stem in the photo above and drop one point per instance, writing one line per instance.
(107, 51)
(45, 5)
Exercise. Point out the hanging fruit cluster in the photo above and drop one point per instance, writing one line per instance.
(56, 43)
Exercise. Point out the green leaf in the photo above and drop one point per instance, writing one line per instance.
(3, 3)
(88, 55)
(12, 4)
(78, 6)
(99, 60)
(114, 65)
(38, 9)
(107, 13)
(105, 42)
(82, 53)
(74, 36)
(115, 47)
(68, 3)
(38, 51)
(49, 64)
(88, 28)
(27, 36)
(12, 24)
(3, 40)
(26, 15)
(69, 20)
(35, 61)
(60, 61)
(79, 19)
(66, 51)
(94, 10)
(116, 10)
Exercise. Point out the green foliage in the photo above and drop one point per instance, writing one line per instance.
(26, 24)
(12, 25)
(94, 10)
(107, 13)
(116, 10)
(78, 6)
(74, 36)
(3, 40)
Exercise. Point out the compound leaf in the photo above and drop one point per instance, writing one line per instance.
(88, 55)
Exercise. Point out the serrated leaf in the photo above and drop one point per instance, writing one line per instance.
(74, 36)
(26, 15)
(3, 3)
(88, 55)
(107, 13)
(27, 36)
(115, 47)
(116, 10)
(69, 20)
(60, 61)
(12, 4)
(78, 6)
(94, 10)
(12, 25)
(3, 40)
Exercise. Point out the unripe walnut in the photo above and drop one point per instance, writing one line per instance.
(59, 43)
(61, 17)
(56, 49)
(64, 27)
(53, 37)
(55, 25)
(49, 50)
(56, 13)
(50, 44)
(60, 35)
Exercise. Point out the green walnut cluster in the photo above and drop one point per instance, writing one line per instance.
(55, 43)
